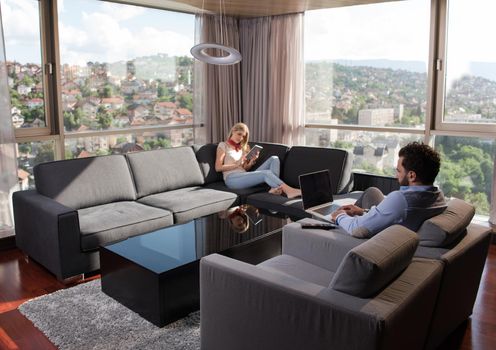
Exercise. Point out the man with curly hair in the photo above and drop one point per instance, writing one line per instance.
(416, 201)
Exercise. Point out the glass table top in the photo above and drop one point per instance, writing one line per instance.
(180, 244)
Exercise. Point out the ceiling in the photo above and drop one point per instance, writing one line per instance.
(248, 8)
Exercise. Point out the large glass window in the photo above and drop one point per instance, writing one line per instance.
(124, 66)
(367, 65)
(471, 62)
(89, 146)
(28, 155)
(467, 169)
(373, 152)
(21, 24)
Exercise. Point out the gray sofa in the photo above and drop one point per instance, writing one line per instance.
(293, 298)
(81, 204)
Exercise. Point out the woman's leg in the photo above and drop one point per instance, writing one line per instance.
(252, 178)
(273, 164)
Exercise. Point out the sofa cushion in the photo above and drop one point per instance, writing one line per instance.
(85, 182)
(443, 229)
(289, 265)
(205, 155)
(191, 202)
(242, 193)
(371, 266)
(114, 221)
(301, 160)
(164, 170)
(269, 150)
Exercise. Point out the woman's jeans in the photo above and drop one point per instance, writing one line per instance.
(268, 172)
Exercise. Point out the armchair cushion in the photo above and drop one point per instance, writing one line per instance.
(371, 266)
(443, 229)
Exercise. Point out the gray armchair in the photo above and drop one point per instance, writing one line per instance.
(317, 295)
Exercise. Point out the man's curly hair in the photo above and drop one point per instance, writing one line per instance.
(422, 159)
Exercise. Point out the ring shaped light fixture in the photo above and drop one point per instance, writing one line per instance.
(200, 53)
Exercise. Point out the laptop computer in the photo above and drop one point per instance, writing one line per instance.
(316, 194)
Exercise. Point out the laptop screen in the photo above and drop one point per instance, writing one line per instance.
(315, 188)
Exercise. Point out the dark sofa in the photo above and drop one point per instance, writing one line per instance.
(80, 204)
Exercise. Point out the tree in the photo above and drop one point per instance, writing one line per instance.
(44, 153)
(186, 101)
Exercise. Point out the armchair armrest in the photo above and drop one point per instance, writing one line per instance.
(46, 230)
(324, 248)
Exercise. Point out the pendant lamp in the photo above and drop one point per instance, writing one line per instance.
(199, 51)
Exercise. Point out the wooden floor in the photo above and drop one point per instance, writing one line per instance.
(21, 280)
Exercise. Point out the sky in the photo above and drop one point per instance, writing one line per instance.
(92, 30)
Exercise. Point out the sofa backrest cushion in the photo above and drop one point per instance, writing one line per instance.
(205, 155)
(164, 170)
(301, 160)
(372, 265)
(441, 230)
(85, 182)
(269, 150)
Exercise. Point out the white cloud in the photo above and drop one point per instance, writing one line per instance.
(396, 30)
(103, 38)
(121, 13)
(18, 18)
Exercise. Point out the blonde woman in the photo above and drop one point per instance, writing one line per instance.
(231, 161)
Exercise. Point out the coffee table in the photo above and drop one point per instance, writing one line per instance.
(157, 274)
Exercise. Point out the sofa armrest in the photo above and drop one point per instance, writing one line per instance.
(463, 266)
(245, 307)
(46, 230)
(324, 248)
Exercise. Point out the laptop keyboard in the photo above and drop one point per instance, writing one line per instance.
(327, 210)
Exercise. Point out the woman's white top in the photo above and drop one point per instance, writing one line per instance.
(232, 157)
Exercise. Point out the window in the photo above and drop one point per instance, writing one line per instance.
(28, 155)
(124, 66)
(470, 96)
(373, 152)
(367, 65)
(21, 23)
(467, 169)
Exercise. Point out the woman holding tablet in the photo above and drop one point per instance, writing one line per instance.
(232, 162)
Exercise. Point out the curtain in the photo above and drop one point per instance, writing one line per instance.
(273, 78)
(218, 88)
(8, 162)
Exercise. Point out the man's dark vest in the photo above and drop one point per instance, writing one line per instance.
(422, 205)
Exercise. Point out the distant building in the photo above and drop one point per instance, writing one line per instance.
(23, 178)
(34, 102)
(376, 117)
(23, 89)
(17, 120)
(164, 110)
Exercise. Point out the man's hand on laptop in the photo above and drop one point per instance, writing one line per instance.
(336, 213)
(352, 210)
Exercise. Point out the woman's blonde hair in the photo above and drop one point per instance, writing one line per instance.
(241, 127)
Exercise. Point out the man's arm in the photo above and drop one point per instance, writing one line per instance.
(391, 210)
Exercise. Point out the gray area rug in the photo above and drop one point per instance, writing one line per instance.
(83, 317)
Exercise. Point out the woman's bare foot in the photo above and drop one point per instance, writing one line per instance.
(290, 192)
(293, 193)
(276, 190)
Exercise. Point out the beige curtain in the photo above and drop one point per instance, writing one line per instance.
(8, 162)
(273, 78)
(218, 88)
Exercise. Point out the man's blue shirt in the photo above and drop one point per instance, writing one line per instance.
(392, 210)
